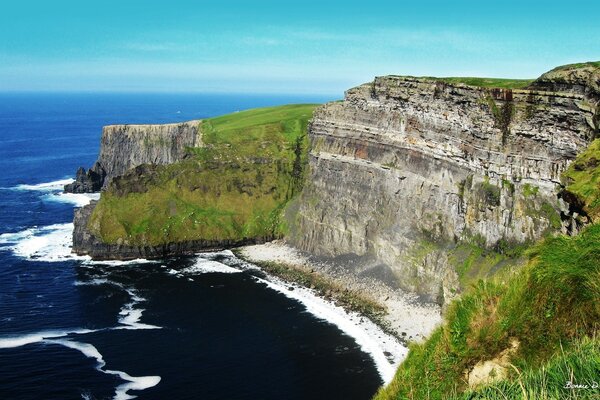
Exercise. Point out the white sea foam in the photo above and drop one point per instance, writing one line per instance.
(49, 243)
(386, 351)
(92, 282)
(46, 186)
(53, 192)
(130, 318)
(118, 263)
(30, 338)
(203, 266)
(121, 391)
(367, 335)
(77, 199)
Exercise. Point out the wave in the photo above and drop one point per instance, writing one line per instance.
(45, 186)
(129, 315)
(77, 199)
(30, 338)
(385, 350)
(49, 243)
(53, 192)
(118, 263)
(129, 319)
(121, 391)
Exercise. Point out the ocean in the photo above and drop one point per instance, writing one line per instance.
(202, 327)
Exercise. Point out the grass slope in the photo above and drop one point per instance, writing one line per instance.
(550, 306)
(234, 187)
(583, 179)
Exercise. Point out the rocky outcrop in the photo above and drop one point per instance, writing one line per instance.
(89, 181)
(404, 160)
(124, 147)
(85, 243)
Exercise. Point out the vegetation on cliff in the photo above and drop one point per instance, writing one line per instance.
(538, 324)
(582, 179)
(233, 188)
(488, 82)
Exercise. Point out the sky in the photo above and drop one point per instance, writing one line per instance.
(302, 47)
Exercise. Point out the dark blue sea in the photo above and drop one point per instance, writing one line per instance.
(204, 327)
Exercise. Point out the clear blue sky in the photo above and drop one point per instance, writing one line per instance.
(283, 46)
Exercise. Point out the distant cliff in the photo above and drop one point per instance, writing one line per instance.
(124, 147)
(405, 168)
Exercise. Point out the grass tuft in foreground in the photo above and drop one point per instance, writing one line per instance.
(550, 308)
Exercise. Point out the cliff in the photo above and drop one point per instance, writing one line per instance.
(123, 147)
(406, 168)
(403, 173)
(226, 190)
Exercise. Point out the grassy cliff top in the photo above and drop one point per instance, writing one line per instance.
(594, 64)
(234, 187)
(505, 83)
(489, 82)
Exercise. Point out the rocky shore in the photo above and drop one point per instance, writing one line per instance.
(403, 314)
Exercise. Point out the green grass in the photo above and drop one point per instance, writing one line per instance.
(577, 364)
(549, 307)
(488, 82)
(235, 187)
(583, 179)
(595, 64)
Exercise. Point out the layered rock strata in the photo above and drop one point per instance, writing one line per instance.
(124, 147)
(404, 160)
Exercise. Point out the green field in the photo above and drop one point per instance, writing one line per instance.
(234, 187)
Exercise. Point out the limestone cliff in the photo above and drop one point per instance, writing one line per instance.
(124, 147)
(404, 160)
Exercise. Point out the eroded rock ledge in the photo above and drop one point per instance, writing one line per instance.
(124, 147)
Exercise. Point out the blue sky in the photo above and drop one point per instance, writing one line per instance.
(317, 47)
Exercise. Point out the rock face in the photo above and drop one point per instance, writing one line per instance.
(124, 147)
(89, 181)
(405, 160)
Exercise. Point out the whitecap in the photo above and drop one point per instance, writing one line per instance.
(77, 199)
(49, 243)
(93, 282)
(204, 266)
(367, 335)
(9, 342)
(46, 186)
(121, 391)
(118, 263)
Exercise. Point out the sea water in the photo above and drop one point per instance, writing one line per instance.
(203, 327)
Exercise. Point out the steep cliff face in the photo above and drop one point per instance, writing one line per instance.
(124, 147)
(190, 195)
(403, 160)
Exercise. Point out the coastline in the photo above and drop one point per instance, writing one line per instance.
(397, 313)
